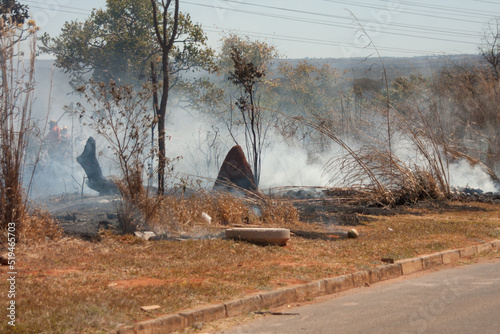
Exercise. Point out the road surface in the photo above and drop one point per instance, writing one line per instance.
(463, 299)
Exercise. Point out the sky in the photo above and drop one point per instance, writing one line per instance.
(321, 28)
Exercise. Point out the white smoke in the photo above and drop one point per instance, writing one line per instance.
(463, 174)
(284, 165)
(202, 146)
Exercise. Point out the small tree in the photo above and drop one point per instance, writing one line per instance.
(13, 13)
(311, 91)
(246, 75)
(490, 45)
(120, 115)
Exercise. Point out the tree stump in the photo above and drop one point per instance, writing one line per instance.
(95, 179)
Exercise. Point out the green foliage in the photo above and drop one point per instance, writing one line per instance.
(13, 12)
(244, 73)
(308, 88)
(362, 85)
(469, 93)
(119, 43)
(311, 91)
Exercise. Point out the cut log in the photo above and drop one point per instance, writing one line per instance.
(95, 179)
(261, 236)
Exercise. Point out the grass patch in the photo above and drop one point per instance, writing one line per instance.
(70, 285)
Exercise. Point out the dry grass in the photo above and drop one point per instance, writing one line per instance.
(74, 286)
(38, 227)
(181, 213)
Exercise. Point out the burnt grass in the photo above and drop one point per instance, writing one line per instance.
(85, 216)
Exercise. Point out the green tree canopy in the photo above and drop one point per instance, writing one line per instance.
(119, 43)
(11, 10)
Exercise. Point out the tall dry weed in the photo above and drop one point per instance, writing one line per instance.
(38, 226)
(278, 212)
(377, 164)
(16, 96)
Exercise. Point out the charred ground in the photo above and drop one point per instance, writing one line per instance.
(85, 216)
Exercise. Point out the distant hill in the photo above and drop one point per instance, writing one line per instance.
(395, 66)
(356, 67)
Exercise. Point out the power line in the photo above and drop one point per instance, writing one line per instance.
(418, 13)
(460, 33)
(56, 8)
(59, 10)
(310, 21)
(314, 41)
(420, 28)
(494, 3)
(319, 22)
(447, 9)
(280, 37)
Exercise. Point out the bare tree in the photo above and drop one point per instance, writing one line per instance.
(490, 45)
(166, 37)
(246, 75)
(119, 115)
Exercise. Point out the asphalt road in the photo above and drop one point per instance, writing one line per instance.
(464, 299)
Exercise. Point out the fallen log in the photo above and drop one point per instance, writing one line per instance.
(95, 179)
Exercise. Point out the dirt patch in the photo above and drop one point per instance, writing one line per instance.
(135, 282)
(145, 281)
(52, 272)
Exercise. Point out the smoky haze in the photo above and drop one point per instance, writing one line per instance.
(200, 143)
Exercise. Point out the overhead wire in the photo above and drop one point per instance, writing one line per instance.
(57, 7)
(460, 33)
(59, 10)
(314, 41)
(325, 23)
(447, 9)
(413, 12)
(491, 2)
(408, 27)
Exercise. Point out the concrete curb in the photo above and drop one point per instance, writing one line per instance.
(265, 300)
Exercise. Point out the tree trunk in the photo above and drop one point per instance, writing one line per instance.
(166, 42)
(162, 111)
